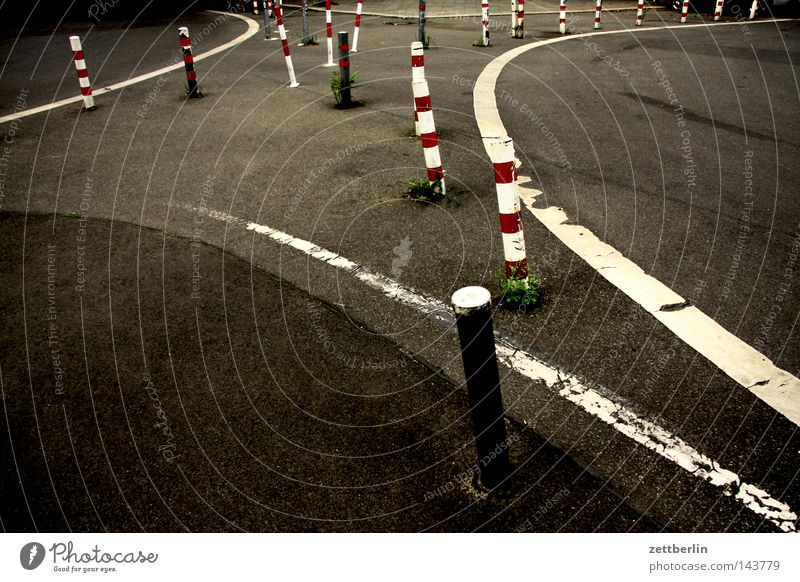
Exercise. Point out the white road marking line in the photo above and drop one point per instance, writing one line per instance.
(743, 363)
(616, 415)
(252, 28)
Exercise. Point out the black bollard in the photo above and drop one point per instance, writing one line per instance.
(472, 306)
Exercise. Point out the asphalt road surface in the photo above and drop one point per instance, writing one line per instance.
(253, 152)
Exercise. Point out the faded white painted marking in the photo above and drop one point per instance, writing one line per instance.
(252, 28)
(614, 414)
(743, 363)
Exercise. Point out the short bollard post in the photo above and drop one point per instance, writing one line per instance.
(598, 8)
(83, 73)
(188, 63)
(422, 20)
(639, 12)
(519, 31)
(472, 306)
(344, 70)
(684, 11)
(562, 16)
(753, 9)
(255, 7)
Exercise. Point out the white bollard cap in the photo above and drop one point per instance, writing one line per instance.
(467, 299)
(75, 43)
(417, 48)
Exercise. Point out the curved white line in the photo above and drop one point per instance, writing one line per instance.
(743, 363)
(252, 28)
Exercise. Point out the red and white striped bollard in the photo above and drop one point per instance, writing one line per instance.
(513, 17)
(501, 153)
(718, 9)
(329, 33)
(562, 16)
(286, 53)
(639, 12)
(430, 143)
(598, 8)
(83, 72)
(359, 8)
(684, 11)
(484, 22)
(255, 7)
(188, 63)
(519, 32)
(417, 74)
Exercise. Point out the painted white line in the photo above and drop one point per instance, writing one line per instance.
(743, 363)
(252, 28)
(616, 415)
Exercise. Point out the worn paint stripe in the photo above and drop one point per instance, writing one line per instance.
(614, 414)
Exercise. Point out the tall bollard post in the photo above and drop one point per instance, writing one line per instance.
(472, 306)
(329, 33)
(357, 28)
(306, 40)
(268, 20)
(188, 63)
(417, 74)
(562, 16)
(519, 31)
(639, 12)
(598, 8)
(286, 52)
(684, 11)
(421, 25)
(344, 71)
(83, 72)
(484, 22)
(427, 127)
(501, 153)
